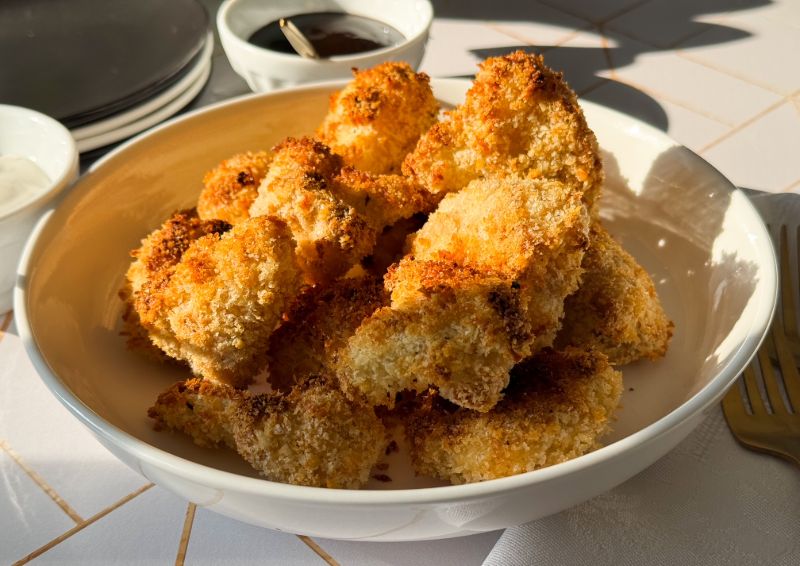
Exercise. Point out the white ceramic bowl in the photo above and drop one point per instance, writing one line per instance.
(49, 145)
(266, 70)
(700, 238)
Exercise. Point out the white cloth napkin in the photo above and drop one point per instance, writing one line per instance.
(707, 502)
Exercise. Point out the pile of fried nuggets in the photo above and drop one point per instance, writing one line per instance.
(449, 275)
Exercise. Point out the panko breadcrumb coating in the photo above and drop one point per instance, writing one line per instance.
(224, 299)
(331, 235)
(557, 406)
(318, 325)
(311, 436)
(483, 287)
(376, 120)
(153, 265)
(616, 309)
(519, 118)
(231, 187)
(334, 212)
(454, 327)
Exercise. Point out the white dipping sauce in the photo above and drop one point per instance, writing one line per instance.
(20, 181)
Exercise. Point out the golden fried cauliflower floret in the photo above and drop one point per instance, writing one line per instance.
(335, 212)
(454, 327)
(318, 325)
(225, 297)
(376, 120)
(311, 436)
(331, 235)
(483, 287)
(231, 187)
(616, 309)
(519, 118)
(153, 265)
(557, 406)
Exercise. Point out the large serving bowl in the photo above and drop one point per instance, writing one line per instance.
(700, 238)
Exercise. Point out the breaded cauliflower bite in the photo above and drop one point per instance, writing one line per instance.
(483, 287)
(557, 406)
(311, 436)
(318, 325)
(223, 300)
(519, 118)
(231, 187)
(153, 265)
(335, 212)
(376, 120)
(616, 309)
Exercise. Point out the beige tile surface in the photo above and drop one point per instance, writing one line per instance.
(145, 530)
(52, 442)
(28, 517)
(714, 94)
(764, 154)
(693, 130)
(466, 551)
(243, 544)
(594, 11)
(766, 56)
(666, 23)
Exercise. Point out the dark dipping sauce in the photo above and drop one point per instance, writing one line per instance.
(331, 33)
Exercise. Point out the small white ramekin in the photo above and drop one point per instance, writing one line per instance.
(266, 70)
(49, 145)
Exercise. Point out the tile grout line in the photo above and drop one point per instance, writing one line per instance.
(312, 544)
(556, 6)
(5, 324)
(701, 112)
(743, 125)
(791, 186)
(529, 42)
(41, 483)
(188, 522)
(79, 527)
(693, 58)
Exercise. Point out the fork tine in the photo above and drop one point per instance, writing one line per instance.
(765, 356)
(751, 385)
(787, 288)
(791, 377)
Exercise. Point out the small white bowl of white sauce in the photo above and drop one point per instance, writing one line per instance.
(38, 159)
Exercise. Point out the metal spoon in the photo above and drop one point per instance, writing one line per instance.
(296, 38)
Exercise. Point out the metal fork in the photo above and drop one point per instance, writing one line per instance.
(764, 413)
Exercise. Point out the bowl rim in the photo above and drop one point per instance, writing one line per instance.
(68, 173)
(229, 481)
(229, 6)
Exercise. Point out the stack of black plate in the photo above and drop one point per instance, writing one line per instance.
(106, 69)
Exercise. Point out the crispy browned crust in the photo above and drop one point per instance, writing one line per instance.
(376, 120)
(154, 262)
(223, 299)
(331, 235)
(318, 325)
(231, 187)
(311, 436)
(455, 327)
(616, 309)
(483, 287)
(519, 118)
(335, 212)
(556, 407)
